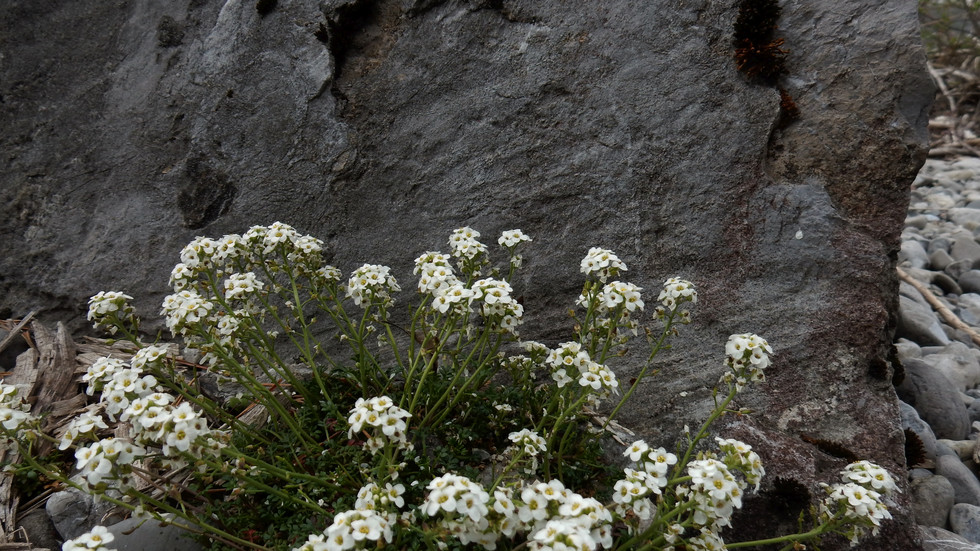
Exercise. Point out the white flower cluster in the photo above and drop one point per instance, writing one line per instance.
(509, 240)
(561, 535)
(551, 514)
(714, 492)
(372, 496)
(603, 263)
(556, 517)
(434, 272)
(120, 384)
(110, 459)
(85, 425)
(528, 443)
(242, 286)
(232, 261)
(179, 433)
(739, 455)
(465, 246)
(363, 527)
(529, 440)
(871, 476)
(159, 427)
(456, 499)
(860, 501)
(512, 238)
(328, 274)
(354, 529)
(93, 540)
(498, 303)
(372, 284)
(677, 292)
(450, 294)
(748, 356)
(634, 492)
(617, 293)
(282, 240)
(466, 511)
(108, 307)
(436, 277)
(198, 252)
(385, 421)
(590, 374)
(14, 414)
(185, 309)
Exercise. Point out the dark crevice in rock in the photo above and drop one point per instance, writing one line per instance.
(206, 195)
(265, 7)
(350, 21)
(506, 10)
(760, 56)
(322, 33)
(420, 7)
(170, 33)
(359, 36)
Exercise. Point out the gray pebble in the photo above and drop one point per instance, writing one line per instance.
(939, 244)
(964, 519)
(136, 535)
(965, 247)
(940, 259)
(958, 268)
(919, 324)
(974, 411)
(907, 350)
(947, 284)
(968, 218)
(970, 281)
(959, 364)
(913, 254)
(932, 499)
(73, 513)
(911, 293)
(968, 308)
(919, 472)
(936, 400)
(918, 221)
(966, 487)
(40, 530)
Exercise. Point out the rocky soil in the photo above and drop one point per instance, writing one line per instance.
(939, 345)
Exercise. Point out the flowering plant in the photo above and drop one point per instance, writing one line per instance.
(452, 427)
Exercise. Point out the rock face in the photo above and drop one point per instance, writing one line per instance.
(380, 125)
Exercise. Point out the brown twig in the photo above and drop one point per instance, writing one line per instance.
(13, 332)
(940, 308)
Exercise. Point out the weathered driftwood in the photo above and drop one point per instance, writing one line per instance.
(48, 374)
(45, 374)
(25, 546)
(56, 367)
(16, 330)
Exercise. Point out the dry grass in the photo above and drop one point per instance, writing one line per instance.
(951, 34)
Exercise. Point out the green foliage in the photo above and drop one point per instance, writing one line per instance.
(444, 430)
(951, 31)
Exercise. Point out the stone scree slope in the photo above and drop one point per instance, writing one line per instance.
(381, 125)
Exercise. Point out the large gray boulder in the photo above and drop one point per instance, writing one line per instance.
(380, 125)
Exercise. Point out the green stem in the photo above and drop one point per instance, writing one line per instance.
(478, 376)
(816, 532)
(653, 353)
